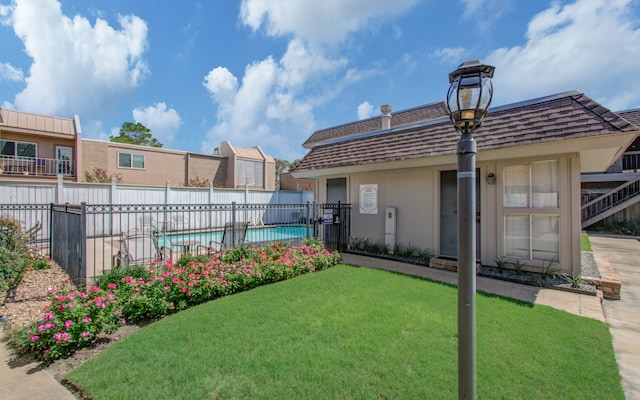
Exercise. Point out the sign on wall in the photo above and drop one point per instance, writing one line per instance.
(369, 199)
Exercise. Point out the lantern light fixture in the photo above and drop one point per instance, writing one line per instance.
(469, 96)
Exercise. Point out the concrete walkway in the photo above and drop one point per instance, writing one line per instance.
(27, 380)
(623, 316)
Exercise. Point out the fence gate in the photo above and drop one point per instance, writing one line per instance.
(68, 241)
(333, 225)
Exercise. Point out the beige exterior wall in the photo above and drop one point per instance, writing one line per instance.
(203, 167)
(160, 165)
(416, 195)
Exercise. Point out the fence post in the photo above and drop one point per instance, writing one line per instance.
(112, 192)
(233, 222)
(307, 218)
(83, 242)
(167, 192)
(60, 190)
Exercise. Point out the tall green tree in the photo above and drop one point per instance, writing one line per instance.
(136, 134)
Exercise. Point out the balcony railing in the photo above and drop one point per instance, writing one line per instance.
(631, 161)
(37, 166)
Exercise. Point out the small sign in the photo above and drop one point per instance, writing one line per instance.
(369, 199)
(327, 218)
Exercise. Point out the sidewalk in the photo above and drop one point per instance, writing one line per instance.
(20, 380)
(623, 316)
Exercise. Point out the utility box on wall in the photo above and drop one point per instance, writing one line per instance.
(390, 228)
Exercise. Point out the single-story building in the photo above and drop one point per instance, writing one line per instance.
(529, 160)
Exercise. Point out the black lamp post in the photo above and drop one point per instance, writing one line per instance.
(468, 102)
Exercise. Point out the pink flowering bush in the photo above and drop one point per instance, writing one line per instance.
(74, 319)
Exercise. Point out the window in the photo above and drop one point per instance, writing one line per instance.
(533, 185)
(250, 173)
(129, 160)
(532, 223)
(18, 149)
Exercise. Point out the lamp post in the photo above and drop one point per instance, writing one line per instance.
(468, 101)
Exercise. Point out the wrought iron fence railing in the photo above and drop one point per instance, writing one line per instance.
(88, 240)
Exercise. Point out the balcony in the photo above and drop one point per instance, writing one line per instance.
(36, 166)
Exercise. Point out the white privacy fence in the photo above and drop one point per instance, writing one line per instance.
(60, 192)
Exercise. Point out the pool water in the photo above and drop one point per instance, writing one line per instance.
(254, 235)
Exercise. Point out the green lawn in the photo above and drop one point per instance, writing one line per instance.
(354, 333)
(585, 243)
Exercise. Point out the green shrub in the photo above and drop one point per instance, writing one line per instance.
(11, 267)
(12, 235)
(519, 267)
(501, 265)
(73, 319)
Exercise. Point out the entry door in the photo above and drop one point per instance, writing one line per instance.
(449, 214)
(337, 190)
(64, 160)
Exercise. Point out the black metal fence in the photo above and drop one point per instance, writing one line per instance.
(89, 240)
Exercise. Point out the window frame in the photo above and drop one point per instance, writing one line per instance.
(15, 149)
(535, 209)
(132, 162)
(241, 167)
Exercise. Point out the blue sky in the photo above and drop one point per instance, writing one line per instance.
(270, 73)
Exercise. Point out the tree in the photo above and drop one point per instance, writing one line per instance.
(136, 134)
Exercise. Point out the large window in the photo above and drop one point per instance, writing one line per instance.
(18, 149)
(532, 221)
(129, 160)
(250, 173)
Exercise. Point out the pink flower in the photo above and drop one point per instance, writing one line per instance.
(118, 312)
(86, 319)
(48, 315)
(84, 295)
(122, 321)
(112, 286)
(84, 334)
(34, 338)
(167, 287)
(94, 289)
(67, 324)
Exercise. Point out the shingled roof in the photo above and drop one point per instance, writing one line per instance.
(632, 116)
(559, 117)
(400, 118)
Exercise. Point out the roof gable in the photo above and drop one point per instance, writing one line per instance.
(24, 121)
(553, 118)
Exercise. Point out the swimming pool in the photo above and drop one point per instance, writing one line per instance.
(254, 235)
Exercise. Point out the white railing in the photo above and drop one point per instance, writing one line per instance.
(38, 166)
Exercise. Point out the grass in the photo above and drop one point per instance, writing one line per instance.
(354, 333)
(585, 243)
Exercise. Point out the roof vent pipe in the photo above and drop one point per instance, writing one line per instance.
(385, 109)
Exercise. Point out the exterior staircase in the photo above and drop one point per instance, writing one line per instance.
(615, 200)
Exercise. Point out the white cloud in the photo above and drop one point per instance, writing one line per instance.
(365, 110)
(319, 21)
(164, 122)
(589, 45)
(275, 100)
(7, 106)
(449, 55)
(484, 12)
(10, 73)
(77, 68)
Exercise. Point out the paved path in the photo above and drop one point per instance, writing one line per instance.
(623, 316)
(20, 380)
